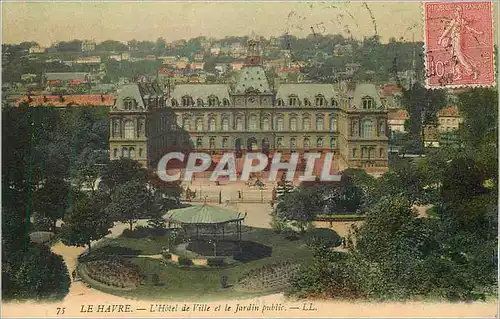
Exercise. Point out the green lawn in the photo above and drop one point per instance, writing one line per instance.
(199, 283)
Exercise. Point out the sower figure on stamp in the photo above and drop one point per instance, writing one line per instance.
(453, 36)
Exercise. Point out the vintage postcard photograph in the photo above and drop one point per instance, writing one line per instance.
(249, 159)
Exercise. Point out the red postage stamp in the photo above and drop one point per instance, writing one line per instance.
(459, 44)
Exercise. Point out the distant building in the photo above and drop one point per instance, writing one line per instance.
(88, 46)
(215, 50)
(431, 135)
(449, 119)
(88, 60)
(64, 101)
(65, 79)
(396, 119)
(342, 50)
(36, 49)
(168, 60)
(197, 65)
(392, 95)
(237, 65)
(198, 57)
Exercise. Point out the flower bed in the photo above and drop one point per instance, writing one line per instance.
(113, 272)
(269, 277)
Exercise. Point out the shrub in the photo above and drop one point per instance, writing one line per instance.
(215, 262)
(243, 256)
(185, 261)
(143, 231)
(290, 234)
(324, 235)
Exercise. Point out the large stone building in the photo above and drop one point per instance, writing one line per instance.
(348, 119)
(139, 124)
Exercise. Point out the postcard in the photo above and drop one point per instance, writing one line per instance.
(249, 159)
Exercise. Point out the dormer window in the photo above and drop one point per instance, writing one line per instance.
(128, 104)
(186, 101)
(334, 103)
(368, 103)
(174, 102)
(225, 102)
(293, 100)
(213, 101)
(320, 100)
(307, 102)
(199, 103)
(280, 102)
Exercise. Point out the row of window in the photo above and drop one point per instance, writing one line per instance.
(131, 104)
(253, 124)
(364, 128)
(187, 101)
(279, 142)
(320, 101)
(129, 128)
(128, 152)
(368, 152)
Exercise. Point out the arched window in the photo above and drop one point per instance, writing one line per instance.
(124, 152)
(354, 153)
(279, 124)
(293, 124)
(320, 100)
(293, 100)
(211, 124)
(129, 129)
(199, 124)
(306, 124)
(363, 152)
(140, 153)
(199, 102)
(115, 152)
(333, 124)
(186, 124)
(212, 142)
(319, 124)
(354, 128)
(225, 102)
(186, 101)
(225, 124)
(381, 128)
(319, 142)
(239, 124)
(141, 126)
(366, 128)
(128, 104)
(252, 122)
(265, 124)
(279, 142)
(306, 143)
(131, 152)
(199, 142)
(307, 102)
(334, 102)
(381, 152)
(116, 128)
(333, 143)
(224, 142)
(368, 103)
(280, 102)
(174, 102)
(213, 101)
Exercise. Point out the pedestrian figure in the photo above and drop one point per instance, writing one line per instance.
(73, 275)
(343, 242)
(239, 194)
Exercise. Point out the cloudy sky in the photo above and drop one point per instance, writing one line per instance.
(47, 22)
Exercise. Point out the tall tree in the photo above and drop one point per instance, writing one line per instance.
(130, 202)
(88, 221)
(119, 172)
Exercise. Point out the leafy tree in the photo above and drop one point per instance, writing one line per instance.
(121, 171)
(302, 205)
(34, 273)
(88, 221)
(160, 46)
(130, 201)
(111, 46)
(51, 200)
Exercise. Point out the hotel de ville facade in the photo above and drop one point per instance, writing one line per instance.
(348, 119)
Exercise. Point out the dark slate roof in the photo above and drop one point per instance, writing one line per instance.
(252, 77)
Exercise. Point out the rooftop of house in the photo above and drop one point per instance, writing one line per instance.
(451, 111)
(397, 114)
(68, 100)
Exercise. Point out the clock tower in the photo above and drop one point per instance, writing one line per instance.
(253, 53)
